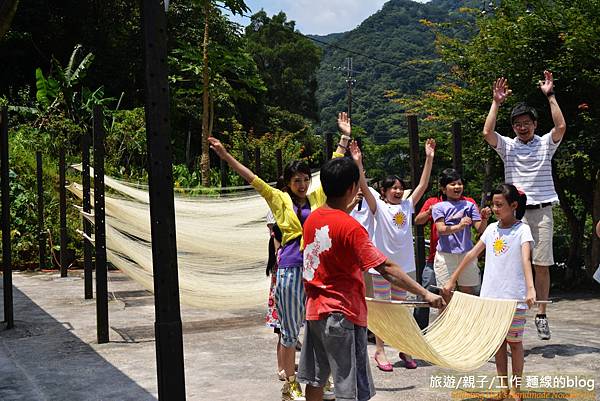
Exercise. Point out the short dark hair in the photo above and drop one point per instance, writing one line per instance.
(522, 109)
(446, 177)
(337, 175)
(512, 194)
(389, 182)
(295, 167)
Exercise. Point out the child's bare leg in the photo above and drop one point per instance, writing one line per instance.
(380, 357)
(399, 294)
(280, 358)
(518, 360)
(288, 359)
(502, 368)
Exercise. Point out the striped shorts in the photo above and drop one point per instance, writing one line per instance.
(515, 333)
(290, 302)
(383, 289)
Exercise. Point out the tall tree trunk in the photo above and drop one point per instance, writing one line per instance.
(205, 159)
(8, 8)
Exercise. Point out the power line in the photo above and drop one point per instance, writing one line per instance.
(376, 59)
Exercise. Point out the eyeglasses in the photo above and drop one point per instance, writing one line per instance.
(524, 124)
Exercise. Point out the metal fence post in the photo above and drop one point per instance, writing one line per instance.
(6, 245)
(63, 211)
(100, 229)
(168, 328)
(40, 210)
(415, 173)
(87, 208)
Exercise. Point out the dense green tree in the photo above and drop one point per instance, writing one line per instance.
(287, 62)
(519, 40)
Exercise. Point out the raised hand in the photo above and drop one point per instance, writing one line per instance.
(343, 123)
(547, 85)
(485, 213)
(356, 153)
(430, 147)
(500, 90)
(217, 146)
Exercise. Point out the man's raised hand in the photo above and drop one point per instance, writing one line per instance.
(343, 123)
(500, 90)
(547, 85)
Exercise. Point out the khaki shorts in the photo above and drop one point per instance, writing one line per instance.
(541, 223)
(445, 264)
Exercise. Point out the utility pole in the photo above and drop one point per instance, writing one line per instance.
(350, 81)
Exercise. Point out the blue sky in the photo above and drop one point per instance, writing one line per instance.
(318, 16)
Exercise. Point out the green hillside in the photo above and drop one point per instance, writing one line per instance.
(394, 35)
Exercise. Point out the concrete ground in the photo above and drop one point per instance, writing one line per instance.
(52, 353)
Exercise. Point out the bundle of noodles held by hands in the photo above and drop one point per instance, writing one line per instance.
(464, 336)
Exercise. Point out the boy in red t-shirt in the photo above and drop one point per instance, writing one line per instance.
(337, 251)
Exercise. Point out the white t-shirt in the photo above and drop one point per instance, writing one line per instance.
(528, 166)
(503, 277)
(271, 218)
(364, 216)
(393, 233)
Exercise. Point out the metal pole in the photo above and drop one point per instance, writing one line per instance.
(457, 158)
(87, 208)
(245, 157)
(328, 145)
(257, 162)
(224, 174)
(63, 211)
(40, 210)
(6, 247)
(168, 330)
(279, 160)
(415, 171)
(100, 229)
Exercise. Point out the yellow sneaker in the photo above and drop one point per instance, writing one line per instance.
(328, 393)
(291, 390)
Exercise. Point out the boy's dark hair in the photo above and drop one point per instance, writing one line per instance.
(337, 175)
(523, 109)
(389, 182)
(512, 194)
(446, 177)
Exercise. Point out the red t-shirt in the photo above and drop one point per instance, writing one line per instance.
(337, 250)
(433, 240)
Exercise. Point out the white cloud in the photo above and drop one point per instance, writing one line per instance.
(319, 16)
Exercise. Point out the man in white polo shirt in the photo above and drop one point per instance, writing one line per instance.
(528, 165)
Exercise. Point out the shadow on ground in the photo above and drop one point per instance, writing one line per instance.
(40, 359)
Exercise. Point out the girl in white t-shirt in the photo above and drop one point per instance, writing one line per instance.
(507, 274)
(393, 235)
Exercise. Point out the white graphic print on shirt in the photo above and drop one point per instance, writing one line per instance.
(321, 243)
